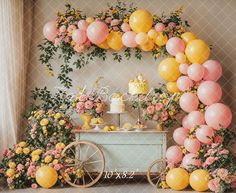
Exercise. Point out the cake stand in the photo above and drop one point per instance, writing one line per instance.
(97, 126)
(118, 116)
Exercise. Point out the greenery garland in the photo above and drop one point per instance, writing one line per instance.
(120, 11)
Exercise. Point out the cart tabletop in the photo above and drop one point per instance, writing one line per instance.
(119, 131)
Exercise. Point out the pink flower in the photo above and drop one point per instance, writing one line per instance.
(34, 186)
(9, 180)
(222, 173)
(115, 28)
(98, 19)
(79, 48)
(164, 116)
(115, 22)
(224, 151)
(218, 139)
(57, 156)
(88, 104)
(62, 29)
(83, 97)
(57, 167)
(171, 24)
(210, 160)
(159, 106)
(68, 125)
(150, 109)
(57, 42)
(80, 106)
(4, 152)
(163, 19)
(155, 117)
(71, 28)
(20, 167)
(108, 20)
(214, 185)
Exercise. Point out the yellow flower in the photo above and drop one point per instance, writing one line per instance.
(60, 146)
(12, 165)
(57, 116)
(171, 113)
(22, 144)
(55, 161)
(26, 150)
(44, 128)
(10, 172)
(62, 122)
(36, 152)
(18, 150)
(165, 101)
(17, 175)
(44, 122)
(48, 159)
(35, 158)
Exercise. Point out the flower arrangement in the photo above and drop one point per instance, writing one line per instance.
(69, 33)
(90, 103)
(159, 106)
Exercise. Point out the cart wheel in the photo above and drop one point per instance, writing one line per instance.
(83, 162)
(155, 172)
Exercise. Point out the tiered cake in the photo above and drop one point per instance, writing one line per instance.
(138, 85)
(117, 103)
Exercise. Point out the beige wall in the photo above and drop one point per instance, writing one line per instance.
(211, 20)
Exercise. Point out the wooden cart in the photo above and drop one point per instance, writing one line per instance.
(118, 154)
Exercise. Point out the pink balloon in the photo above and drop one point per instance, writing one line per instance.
(218, 115)
(160, 27)
(174, 154)
(175, 45)
(192, 145)
(183, 68)
(196, 72)
(213, 70)
(195, 118)
(180, 134)
(209, 92)
(189, 102)
(128, 39)
(125, 27)
(184, 83)
(205, 134)
(79, 36)
(97, 32)
(83, 25)
(50, 30)
(185, 122)
(190, 160)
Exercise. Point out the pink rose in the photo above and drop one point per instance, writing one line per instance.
(150, 109)
(83, 97)
(164, 116)
(79, 48)
(71, 28)
(115, 22)
(88, 104)
(163, 19)
(222, 173)
(108, 20)
(159, 106)
(68, 125)
(224, 151)
(155, 117)
(218, 139)
(34, 186)
(57, 167)
(80, 106)
(115, 28)
(20, 167)
(62, 29)
(214, 185)
(171, 24)
(210, 160)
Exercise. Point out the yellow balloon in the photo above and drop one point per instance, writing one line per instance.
(141, 38)
(172, 87)
(180, 57)
(161, 39)
(114, 40)
(141, 21)
(46, 176)
(169, 69)
(148, 46)
(199, 180)
(188, 36)
(177, 179)
(152, 33)
(104, 45)
(197, 51)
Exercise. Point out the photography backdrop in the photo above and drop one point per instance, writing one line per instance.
(211, 20)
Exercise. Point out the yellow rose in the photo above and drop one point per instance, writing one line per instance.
(60, 146)
(12, 165)
(22, 144)
(55, 161)
(48, 159)
(10, 172)
(18, 150)
(26, 150)
(62, 122)
(44, 122)
(17, 175)
(57, 116)
(36, 152)
(35, 158)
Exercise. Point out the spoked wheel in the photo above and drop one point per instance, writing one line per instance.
(155, 172)
(84, 164)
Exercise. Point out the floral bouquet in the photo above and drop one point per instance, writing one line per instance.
(159, 106)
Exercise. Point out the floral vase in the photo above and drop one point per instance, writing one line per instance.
(86, 118)
(159, 127)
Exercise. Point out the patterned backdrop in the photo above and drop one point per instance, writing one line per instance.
(211, 20)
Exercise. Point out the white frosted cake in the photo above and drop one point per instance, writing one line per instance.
(138, 85)
(117, 103)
